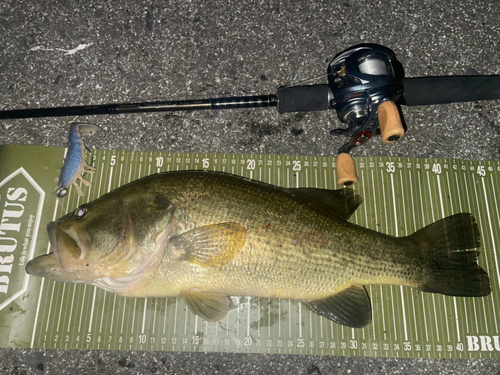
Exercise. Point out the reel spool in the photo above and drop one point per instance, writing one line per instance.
(365, 81)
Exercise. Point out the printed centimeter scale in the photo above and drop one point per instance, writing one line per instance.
(249, 164)
(334, 345)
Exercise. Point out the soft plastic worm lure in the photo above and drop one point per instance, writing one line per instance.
(74, 165)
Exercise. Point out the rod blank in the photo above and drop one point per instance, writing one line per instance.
(160, 106)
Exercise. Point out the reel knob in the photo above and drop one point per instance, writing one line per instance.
(391, 127)
(346, 170)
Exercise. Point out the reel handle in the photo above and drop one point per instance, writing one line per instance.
(391, 126)
(346, 170)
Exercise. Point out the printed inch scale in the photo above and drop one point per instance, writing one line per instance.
(400, 196)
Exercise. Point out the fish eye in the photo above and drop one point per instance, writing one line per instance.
(61, 192)
(81, 212)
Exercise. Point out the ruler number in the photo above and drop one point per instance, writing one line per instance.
(301, 343)
(206, 164)
(296, 165)
(481, 170)
(436, 168)
(251, 164)
(353, 344)
(113, 160)
(159, 161)
(248, 341)
(407, 346)
(391, 168)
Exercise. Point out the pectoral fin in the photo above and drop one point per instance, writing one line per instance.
(208, 305)
(211, 245)
(351, 307)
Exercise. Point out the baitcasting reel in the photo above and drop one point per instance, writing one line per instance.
(364, 83)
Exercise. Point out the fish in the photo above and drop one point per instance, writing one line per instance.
(209, 236)
(74, 165)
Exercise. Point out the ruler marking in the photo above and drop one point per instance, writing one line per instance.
(438, 178)
(381, 292)
(482, 226)
(396, 226)
(279, 318)
(487, 205)
(175, 316)
(433, 220)
(423, 225)
(112, 315)
(469, 204)
(92, 310)
(103, 307)
(248, 315)
(71, 309)
(414, 227)
(459, 195)
(154, 317)
(60, 309)
(454, 298)
(300, 319)
(493, 242)
(50, 305)
(133, 317)
(144, 313)
(186, 320)
(385, 230)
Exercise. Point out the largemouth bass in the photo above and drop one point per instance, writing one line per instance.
(207, 236)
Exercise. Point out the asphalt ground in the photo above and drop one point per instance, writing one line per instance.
(155, 50)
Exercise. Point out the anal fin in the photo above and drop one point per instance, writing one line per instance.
(351, 307)
(210, 306)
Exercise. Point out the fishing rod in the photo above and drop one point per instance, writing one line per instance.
(366, 87)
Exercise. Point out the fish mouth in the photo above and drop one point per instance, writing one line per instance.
(69, 247)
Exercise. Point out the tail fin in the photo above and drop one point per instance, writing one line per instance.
(453, 268)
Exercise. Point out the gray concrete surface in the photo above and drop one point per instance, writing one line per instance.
(145, 50)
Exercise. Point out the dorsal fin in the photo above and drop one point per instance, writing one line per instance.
(342, 202)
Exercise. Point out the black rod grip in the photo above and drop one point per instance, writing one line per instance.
(303, 98)
(449, 89)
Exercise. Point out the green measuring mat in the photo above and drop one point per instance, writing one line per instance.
(400, 196)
